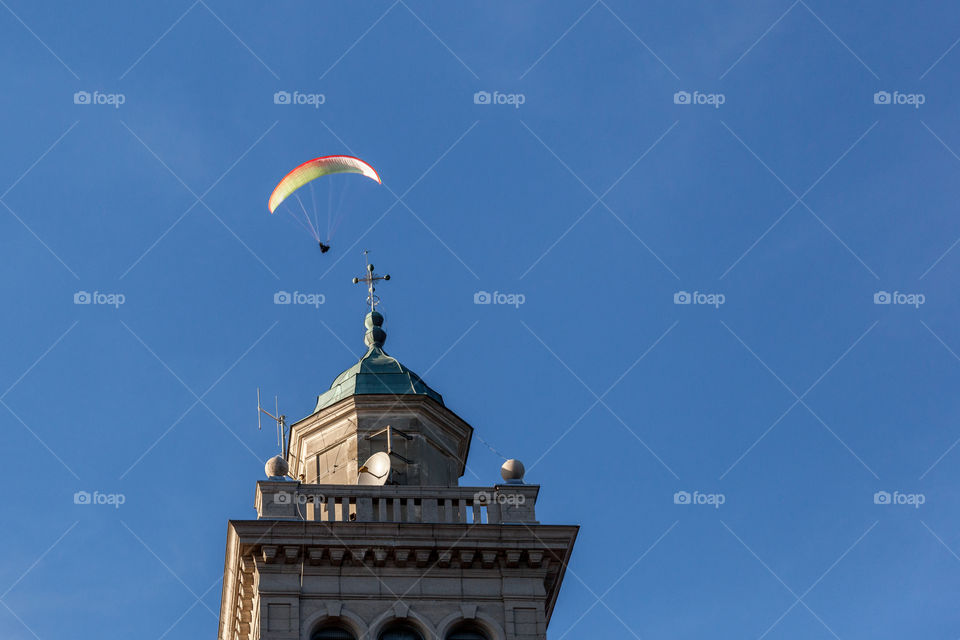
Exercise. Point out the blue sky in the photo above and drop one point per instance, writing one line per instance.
(774, 160)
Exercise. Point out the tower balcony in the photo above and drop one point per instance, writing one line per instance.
(498, 504)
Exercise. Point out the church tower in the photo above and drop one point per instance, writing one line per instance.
(363, 531)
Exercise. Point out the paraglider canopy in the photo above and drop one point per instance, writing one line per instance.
(317, 168)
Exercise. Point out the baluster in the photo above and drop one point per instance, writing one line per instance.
(397, 513)
(364, 508)
(428, 509)
(416, 510)
(493, 511)
(318, 506)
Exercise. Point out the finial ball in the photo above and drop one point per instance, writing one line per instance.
(370, 268)
(276, 467)
(356, 280)
(386, 277)
(373, 319)
(512, 472)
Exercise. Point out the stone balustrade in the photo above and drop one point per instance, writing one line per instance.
(499, 504)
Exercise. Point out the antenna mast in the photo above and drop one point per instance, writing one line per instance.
(279, 418)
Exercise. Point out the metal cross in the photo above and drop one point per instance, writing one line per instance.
(370, 278)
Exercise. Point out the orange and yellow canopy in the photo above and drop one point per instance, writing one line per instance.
(317, 168)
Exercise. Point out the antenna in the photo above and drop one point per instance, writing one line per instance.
(277, 417)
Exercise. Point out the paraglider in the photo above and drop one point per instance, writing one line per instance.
(310, 171)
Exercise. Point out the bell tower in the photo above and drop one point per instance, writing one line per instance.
(363, 531)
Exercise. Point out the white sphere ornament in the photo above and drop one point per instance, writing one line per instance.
(276, 467)
(512, 472)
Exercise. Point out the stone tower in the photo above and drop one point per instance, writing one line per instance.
(345, 550)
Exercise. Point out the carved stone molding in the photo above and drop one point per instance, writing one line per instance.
(385, 556)
(336, 556)
(359, 554)
(269, 552)
(423, 556)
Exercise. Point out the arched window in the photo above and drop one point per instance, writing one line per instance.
(466, 631)
(400, 631)
(332, 632)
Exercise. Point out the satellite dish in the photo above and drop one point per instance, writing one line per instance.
(375, 471)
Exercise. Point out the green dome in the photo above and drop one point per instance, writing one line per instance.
(376, 373)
